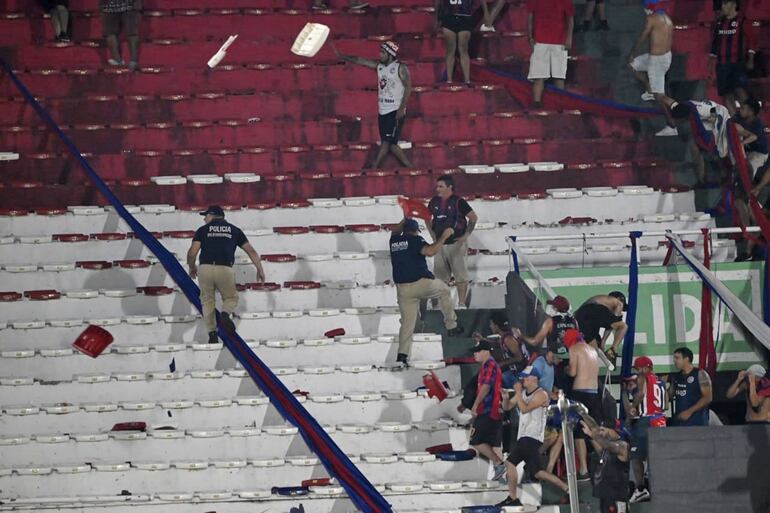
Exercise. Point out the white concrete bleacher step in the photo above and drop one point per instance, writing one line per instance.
(23, 361)
(422, 412)
(145, 310)
(425, 501)
(207, 383)
(489, 235)
(199, 473)
(512, 211)
(220, 444)
(163, 332)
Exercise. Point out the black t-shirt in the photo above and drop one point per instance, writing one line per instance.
(409, 264)
(219, 239)
(757, 128)
(449, 213)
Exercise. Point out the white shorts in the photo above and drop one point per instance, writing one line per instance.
(656, 67)
(548, 61)
(756, 160)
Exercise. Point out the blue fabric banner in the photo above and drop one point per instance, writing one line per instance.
(631, 302)
(515, 257)
(359, 489)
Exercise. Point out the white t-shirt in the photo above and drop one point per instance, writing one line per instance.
(390, 88)
(532, 424)
(719, 126)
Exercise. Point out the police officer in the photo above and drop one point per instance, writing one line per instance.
(415, 282)
(216, 241)
(451, 211)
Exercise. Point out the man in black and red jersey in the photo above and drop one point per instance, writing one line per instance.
(448, 210)
(732, 49)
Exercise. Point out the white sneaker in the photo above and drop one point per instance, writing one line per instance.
(486, 28)
(667, 132)
(648, 97)
(640, 496)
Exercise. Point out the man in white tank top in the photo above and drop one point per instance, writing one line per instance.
(532, 402)
(394, 86)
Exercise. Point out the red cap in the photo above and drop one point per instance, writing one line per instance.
(561, 303)
(572, 337)
(642, 361)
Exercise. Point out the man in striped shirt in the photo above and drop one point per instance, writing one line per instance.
(487, 430)
(732, 49)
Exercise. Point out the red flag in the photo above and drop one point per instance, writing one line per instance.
(414, 208)
(707, 359)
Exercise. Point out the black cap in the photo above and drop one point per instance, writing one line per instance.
(754, 105)
(214, 210)
(483, 345)
(411, 225)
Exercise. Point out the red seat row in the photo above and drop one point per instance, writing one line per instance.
(244, 108)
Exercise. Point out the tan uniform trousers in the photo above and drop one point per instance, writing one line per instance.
(450, 261)
(409, 296)
(212, 278)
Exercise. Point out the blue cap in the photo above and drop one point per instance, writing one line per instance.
(410, 225)
(531, 371)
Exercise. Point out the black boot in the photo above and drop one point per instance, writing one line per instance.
(213, 339)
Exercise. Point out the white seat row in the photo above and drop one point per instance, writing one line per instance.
(326, 250)
(61, 363)
(147, 310)
(259, 325)
(368, 408)
(109, 477)
(376, 211)
(426, 500)
(219, 443)
(141, 390)
(14, 374)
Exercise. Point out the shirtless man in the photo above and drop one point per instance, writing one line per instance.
(584, 367)
(603, 312)
(757, 389)
(650, 68)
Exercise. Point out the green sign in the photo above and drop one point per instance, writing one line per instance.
(669, 305)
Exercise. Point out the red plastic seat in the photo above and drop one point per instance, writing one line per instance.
(70, 237)
(291, 230)
(264, 286)
(155, 290)
(362, 228)
(93, 264)
(302, 285)
(10, 296)
(179, 234)
(13, 212)
(282, 257)
(496, 197)
(318, 481)
(294, 204)
(327, 228)
(42, 295)
(380, 173)
(50, 211)
(261, 206)
(93, 340)
(314, 175)
(108, 236)
(132, 264)
(532, 195)
(157, 235)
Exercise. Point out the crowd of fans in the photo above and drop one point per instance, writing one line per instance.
(521, 375)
